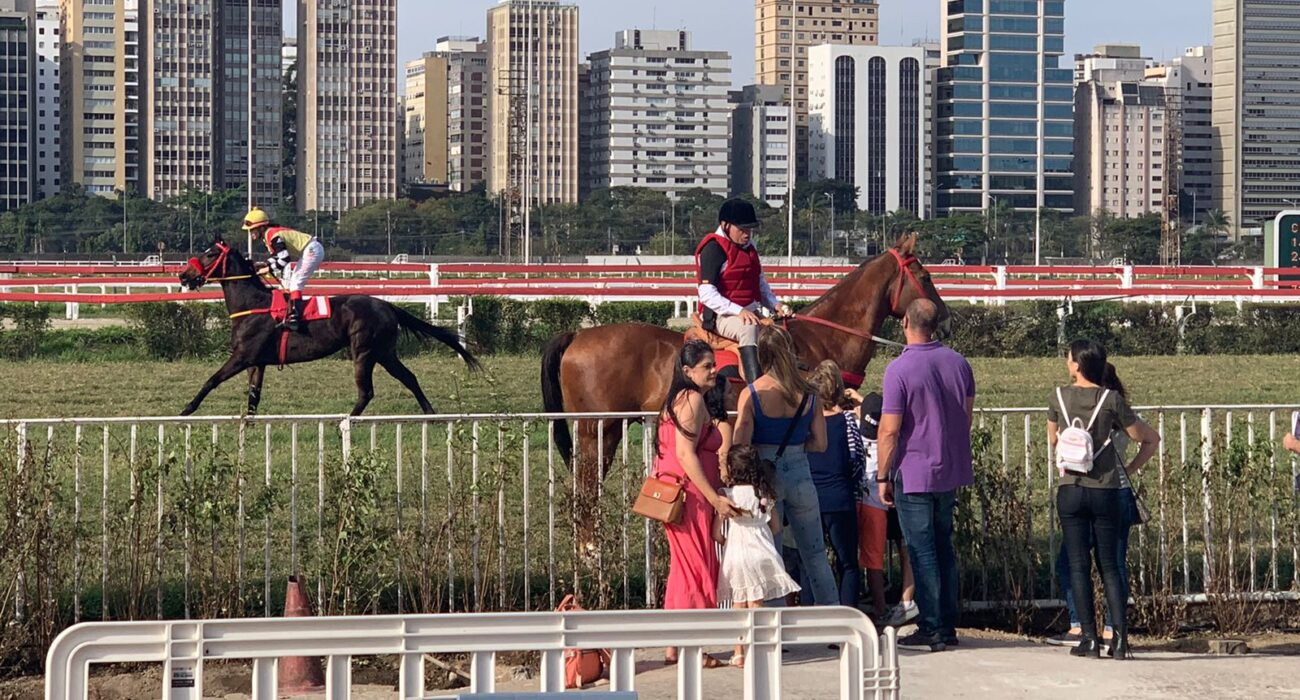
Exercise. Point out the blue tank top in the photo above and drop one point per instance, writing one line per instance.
(770, 431)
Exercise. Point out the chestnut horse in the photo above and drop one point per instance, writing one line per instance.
(627, 367)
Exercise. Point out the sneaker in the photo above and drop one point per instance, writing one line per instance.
(951, 641)
(902, 614)
(1069, 638)
(921, 642)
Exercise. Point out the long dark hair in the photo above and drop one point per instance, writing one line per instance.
(692, 353)
(1091, 358)
(745, 467)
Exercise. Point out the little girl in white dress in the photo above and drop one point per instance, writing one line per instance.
(752, 570)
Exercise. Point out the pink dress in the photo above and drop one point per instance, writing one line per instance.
(692, 555)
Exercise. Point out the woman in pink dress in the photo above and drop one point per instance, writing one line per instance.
(689, 440)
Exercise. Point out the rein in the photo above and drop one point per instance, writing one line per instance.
(845, 329)
(905, 274)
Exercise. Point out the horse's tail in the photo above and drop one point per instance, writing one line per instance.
(553, 392)
(423, 329)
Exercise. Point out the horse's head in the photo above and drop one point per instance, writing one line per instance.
(217, 263)
(913, 282)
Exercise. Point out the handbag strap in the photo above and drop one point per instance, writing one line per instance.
(794, 420)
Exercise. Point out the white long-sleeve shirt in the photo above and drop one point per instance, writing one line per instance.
(713, 299)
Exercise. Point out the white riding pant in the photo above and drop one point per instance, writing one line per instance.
(738, 330)
(297, 274)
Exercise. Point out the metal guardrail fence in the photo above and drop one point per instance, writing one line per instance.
(153, 518)
(868, 662)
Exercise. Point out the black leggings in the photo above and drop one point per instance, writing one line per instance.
(1097, 512)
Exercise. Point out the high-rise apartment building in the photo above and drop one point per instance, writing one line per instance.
(552, 62)
(1255, 108)
(1187, 82)
(866, 123)
(1005, 117)
(197, 80)
(347, 103)
(1120, 164)
(933, 60)
(100, 95)
(445, 115)
(760, 147)
(659, 114)
(1110, 63)
(853, 22)
(48, 139)
(17, 118)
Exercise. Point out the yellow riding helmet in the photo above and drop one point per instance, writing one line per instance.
(256, 218)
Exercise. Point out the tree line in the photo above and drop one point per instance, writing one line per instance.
(621, 220)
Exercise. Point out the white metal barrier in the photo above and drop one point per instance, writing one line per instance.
(868, 662)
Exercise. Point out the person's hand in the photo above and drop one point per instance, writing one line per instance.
(724, 507)
(1290, 442)
(784, 311)
(886, 491)
(749, 318)
(853, 394)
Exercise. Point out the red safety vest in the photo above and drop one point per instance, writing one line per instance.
(740, 276)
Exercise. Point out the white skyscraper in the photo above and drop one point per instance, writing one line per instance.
(48, 179)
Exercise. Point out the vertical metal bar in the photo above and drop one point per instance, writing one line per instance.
(424, 509)
(189, 489)
(401, 541)
(293, 499)
(1250, 451)
(1166, 574)
(1272, 500)
(573, 504)
(527, 515)
(476, 539)
(624, 511)
(320, 510)
(1183, 467)
(1231, 530)
(451, 527)
(20, 602)
(76, 525)
(158, 541)
(1029, 509)
(266, 545)
(338, 677)
(1051, 520)
(103, 531)
(239, 523)
(651, 437)
(550, 510)
(597, 516)
(265, 678)
(1207, 456)
(132, 518)
(501, 515)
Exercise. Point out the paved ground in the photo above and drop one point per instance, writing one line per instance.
(979, 668)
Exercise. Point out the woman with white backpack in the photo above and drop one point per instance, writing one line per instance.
(1081, 420)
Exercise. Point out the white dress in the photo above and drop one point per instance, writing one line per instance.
(752, 569)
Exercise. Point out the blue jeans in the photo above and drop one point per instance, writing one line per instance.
(1129, 509)
(926, 519)
(797, 502)
(842, 530)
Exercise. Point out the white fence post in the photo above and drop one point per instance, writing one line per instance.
(1207, 459)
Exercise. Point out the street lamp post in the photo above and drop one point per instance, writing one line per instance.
(792, 123)
(832, 234)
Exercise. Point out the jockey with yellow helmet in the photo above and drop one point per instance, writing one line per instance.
(295, 257)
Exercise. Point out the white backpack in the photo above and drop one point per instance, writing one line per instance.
(1074, 453)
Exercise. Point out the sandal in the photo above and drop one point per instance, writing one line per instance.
(737, 660)
(711, 661)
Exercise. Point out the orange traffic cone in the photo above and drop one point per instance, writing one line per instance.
(299, 674)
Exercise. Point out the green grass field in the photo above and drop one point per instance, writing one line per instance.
(511, 384)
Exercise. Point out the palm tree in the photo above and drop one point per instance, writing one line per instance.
(1216, 223)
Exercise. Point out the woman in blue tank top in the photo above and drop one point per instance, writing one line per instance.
(765, 412)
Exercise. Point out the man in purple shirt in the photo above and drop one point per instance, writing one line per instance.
(925, 454)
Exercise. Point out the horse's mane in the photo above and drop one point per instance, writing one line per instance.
(847, 281)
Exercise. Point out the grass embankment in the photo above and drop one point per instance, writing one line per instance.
(511, 385)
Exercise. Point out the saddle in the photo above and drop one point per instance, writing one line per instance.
(314, 308)
(719, 343)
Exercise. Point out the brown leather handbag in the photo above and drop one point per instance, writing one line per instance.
(662, 498)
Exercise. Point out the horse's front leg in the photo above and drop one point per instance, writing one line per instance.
(233, 366)
(255, 376)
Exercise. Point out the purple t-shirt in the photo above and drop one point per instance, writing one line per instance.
(928, 385)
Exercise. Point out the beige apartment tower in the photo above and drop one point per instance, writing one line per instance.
(853, 22)
(444, 119)
(1257, 140)
(99, 95)
(553, 62)
(347, 103)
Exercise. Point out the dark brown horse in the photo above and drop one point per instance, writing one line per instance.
(627, 367)
(366, 326)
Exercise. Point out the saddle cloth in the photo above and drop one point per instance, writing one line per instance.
(315, 308)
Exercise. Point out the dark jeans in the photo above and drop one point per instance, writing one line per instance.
(1091, 520)
(927, 527)
(1128, 508)
(842, 529)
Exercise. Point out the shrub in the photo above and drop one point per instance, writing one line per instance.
(170, 331)
(653, 312)
(31, 327)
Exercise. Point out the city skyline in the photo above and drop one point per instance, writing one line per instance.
(1164, 28)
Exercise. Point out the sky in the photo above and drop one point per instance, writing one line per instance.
(1163, 27)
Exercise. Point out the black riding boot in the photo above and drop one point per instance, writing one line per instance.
(294, 321)
(749, 363)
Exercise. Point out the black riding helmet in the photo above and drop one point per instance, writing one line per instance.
(738, 212)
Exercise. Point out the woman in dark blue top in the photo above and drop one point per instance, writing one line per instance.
(837, 472)
(764, 413)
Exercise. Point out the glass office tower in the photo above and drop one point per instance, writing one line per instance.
(1004, 115)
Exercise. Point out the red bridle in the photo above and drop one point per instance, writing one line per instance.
(904, 274)
(220, 261)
